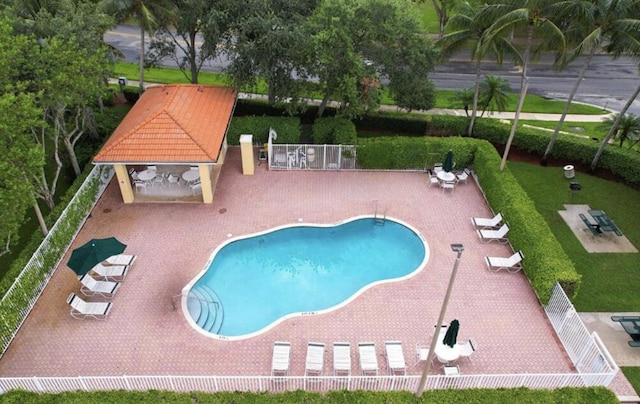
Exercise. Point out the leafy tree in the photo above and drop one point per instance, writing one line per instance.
(470, 27)
(589, 25)
(494, 93)
(628, 127)
(144, 12)
(443, 9)
(352, 41)
(191, 36)
(533, 17)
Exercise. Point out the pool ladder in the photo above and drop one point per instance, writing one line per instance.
(377, 219)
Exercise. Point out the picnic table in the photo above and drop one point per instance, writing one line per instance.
(604, 223)
(631, 325)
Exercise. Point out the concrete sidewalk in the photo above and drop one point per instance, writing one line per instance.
(437, 111)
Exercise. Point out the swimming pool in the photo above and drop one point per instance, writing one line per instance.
(252, 283)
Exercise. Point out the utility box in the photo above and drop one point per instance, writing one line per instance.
(246, 150)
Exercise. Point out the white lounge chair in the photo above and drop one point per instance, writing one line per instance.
(92, 287)
(341, 359)
(121, 259)
(368, 358)
(511, 264)
(482, 223)
(280, 358)
(395, 358)
(81, 309)
(315, 359)
(467, 349)
(487, 236)
(111, 272)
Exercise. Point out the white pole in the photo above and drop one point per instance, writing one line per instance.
(458, 248)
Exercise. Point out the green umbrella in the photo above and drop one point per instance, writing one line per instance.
(448, 162)
(95, 251)
(451, 336)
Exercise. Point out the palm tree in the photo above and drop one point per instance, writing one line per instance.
(463, 97)
(494, 93)
(591, 24)
(628, 127)
(533, 16)
(144, 12)
(470, 26)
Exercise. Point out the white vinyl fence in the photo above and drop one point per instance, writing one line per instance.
(17, 303)
(212, 384)
(311, 157)
(587, 352)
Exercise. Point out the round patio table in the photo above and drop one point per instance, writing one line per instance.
(446, 176)
(190, 175)
(447, 354)
(147, 175)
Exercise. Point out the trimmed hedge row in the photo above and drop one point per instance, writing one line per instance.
(547, 262)
(566, 395)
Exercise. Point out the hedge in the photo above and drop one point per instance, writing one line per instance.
(547, 262)
(334, 130)
(287, 128)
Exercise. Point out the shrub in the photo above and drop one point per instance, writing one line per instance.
(131, 96)
(334, 130)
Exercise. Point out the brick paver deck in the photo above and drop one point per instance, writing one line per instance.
(144, 335)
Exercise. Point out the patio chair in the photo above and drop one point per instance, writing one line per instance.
(315, 359)
(133, 173)
(487, 236)
(451, 370)
(141, 186)
(482, 223)
(81, 309)
(463, 176)
(152, 168)
(92, 287)
(196, 188)
(341, 358)
(467, 349)
(114, 273)
(368, 359)
(395, 358)
(173, 179)
(280, 358)
(511, 264)
(422, 352)
(121, 259)
(433, 179)
(447, 185)
(437, 168)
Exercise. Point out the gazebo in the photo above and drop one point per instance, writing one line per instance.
(181, 125)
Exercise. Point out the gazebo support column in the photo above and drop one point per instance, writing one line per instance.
(205, 179)
(124, 183)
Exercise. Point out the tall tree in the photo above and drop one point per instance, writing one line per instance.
(469, 27)
(589, 25)
(144, 12)
(355, 40)
(269, 44)
(533, 17)
(191, 36)
(443, 9)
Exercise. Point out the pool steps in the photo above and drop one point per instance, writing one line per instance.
(205, 308)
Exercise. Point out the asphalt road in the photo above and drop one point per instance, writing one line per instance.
(608, 83)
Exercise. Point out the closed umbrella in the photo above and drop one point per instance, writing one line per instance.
(93, 252)
(448, 162)
(451, 336)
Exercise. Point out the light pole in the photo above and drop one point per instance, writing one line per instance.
(458, 248)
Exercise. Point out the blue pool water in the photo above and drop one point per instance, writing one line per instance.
(254, 282)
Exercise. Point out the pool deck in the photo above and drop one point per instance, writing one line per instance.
(143, 335)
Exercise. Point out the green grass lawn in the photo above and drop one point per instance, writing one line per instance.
(533, 103)
(609, 280)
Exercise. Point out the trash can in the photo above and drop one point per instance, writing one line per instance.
(569, 171)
